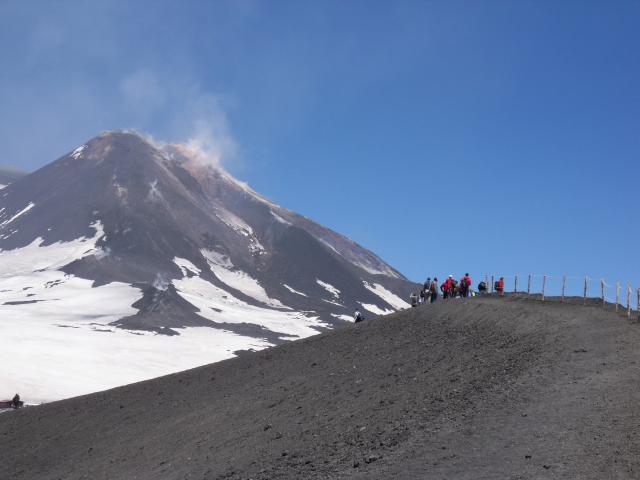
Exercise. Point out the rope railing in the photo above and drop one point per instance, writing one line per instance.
(542, 285)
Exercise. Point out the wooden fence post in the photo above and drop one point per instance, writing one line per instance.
(564, 282)
(491, 283)
(544, 283)
(628, 300)
(617, 295)
(638, 305)
(515, 285)
(586, 282)
(529, 285)
(602, 290)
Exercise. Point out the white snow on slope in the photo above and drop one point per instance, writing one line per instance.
(292, 290)
(375, 309)
(346, 318)
(185, 265)
(241, 227)
(21, 212)
(217, 258)
(57, 362)
(242, 281)
(220, 306)
(77, 153)
(376, 271)
(279, 218)
(329, 288)
(389, 297)
(364, 264)
(332, 302)
(35, 256)
(2, 186)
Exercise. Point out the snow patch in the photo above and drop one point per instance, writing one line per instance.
(242, 228)
(21, 212)
(292, 290)
(375, 309)
(332, 302)
(2, 186)
(279, 218)
(389, 297)
(185, 265)
(376, 271)
(218, 305)
(216, 258)
(222, 267)
(346, 318)
(35, 257)
(329, 288)
(79, 359)
(77, 153)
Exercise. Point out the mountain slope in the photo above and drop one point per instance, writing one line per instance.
(9, 175)
(122, 237)
(486, 388)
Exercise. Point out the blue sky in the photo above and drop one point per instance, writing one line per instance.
(494, 136)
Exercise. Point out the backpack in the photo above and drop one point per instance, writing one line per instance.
(496, 285)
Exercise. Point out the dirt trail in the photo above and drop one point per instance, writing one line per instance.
(466, 389)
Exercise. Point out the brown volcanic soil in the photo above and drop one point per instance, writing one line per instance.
(467, 389)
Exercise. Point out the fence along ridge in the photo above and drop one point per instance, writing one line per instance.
(587, 280)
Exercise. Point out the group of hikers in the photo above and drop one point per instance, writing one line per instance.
(451, 288)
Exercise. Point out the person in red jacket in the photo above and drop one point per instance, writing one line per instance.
(446, 287)
(500, 286)
(465, 285)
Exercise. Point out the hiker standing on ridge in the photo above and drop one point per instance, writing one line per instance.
(446, 287)
(500, 286)
(465, 285)
(357, 317)
(15, 402)
(433, 290)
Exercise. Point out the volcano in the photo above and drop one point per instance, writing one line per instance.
(124, 260)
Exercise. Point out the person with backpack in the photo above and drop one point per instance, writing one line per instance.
(465, 285)
(500, 286)
(445, 288)
(357, 317)
(433, 290)
(482, 288)
(421, 297)
(15, 402)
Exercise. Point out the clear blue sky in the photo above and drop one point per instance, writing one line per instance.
(493, 136)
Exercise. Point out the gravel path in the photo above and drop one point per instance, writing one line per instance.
(485, 388)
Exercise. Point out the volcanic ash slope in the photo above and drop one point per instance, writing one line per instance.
(473, 389)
